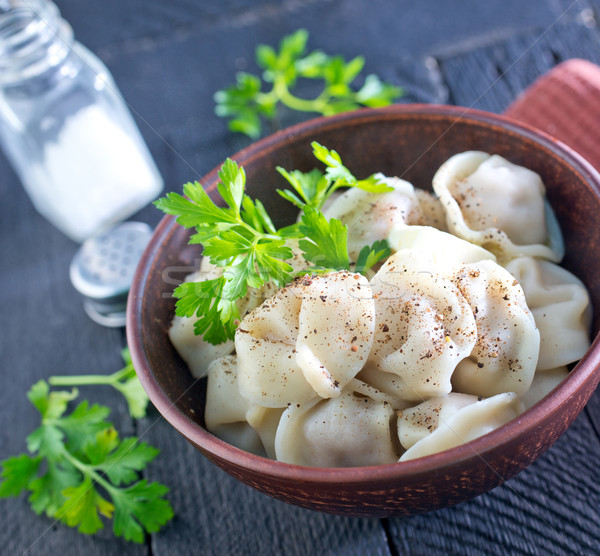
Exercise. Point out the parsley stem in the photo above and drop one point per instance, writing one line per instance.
(89, 471)
(300, 104)
(83, 380)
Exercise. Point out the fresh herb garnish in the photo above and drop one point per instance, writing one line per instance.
(79, 469)
(124, 380)
(241, 239)
(246, 102)
(325, 241)
(369, 256)
(314, 188)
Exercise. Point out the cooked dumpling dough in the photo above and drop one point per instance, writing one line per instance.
(542, 385)
(349, 431)
(432, 211)
(560, 305)
(507, 348)
(372, 216)
(496, 204)
(192, 348)
(265, 420)
(445, 251)
(423, 326)
(444, 422)
(225, 410)
(308, 340)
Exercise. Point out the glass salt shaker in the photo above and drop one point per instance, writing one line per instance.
(65, 127)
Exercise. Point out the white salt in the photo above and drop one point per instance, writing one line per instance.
(94, 175)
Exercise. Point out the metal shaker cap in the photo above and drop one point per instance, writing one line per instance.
(102, 270)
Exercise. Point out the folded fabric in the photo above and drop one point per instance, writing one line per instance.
(565, 103)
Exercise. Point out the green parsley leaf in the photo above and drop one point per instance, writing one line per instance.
(245, 102)
(47, 490)
(216, 316)
(340, 176)
(17, 474)
(130, 456)
(369, 256)
(325, 243)
(80, 471)
(140, 507)
(82, 505)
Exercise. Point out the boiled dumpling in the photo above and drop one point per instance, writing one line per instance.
(444, 422)
(506, 351)
(372, 216)
(423, 326)
(445, 251)
(225, 410)
(432, 211)
(542, 385)
(561, 309)
(265, 420)
(348, 431)
(496, 204)
(307, 341)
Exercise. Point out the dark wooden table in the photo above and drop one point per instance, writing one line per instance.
(168, 59)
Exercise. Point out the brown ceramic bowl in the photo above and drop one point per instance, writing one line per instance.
(409, 141)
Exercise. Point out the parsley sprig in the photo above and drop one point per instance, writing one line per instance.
(313, 188)
(246, 102)
(79, 470)
(241, 239)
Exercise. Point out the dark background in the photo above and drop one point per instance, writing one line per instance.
(168, 59)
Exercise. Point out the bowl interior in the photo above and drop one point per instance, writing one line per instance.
(410, 142)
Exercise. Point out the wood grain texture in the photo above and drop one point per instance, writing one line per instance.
(490, 78)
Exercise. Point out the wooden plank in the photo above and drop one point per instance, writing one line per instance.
(490, 78)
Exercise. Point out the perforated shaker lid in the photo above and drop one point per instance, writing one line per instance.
(102, 270)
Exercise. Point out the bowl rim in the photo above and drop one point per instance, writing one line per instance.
(587, 369)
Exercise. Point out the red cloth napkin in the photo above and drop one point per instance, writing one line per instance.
(565, 103)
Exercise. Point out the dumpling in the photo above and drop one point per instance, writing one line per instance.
(265, 420)
(444, 422)
(560, 305)
(225, 410)
(307, 341)
(349, 431)
(432, 211)
(423, 326)
(542, 385)
(445, 251)
(496, 204)
(506, 351)
(372, 216)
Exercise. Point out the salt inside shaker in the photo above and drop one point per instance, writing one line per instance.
(65, 127)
